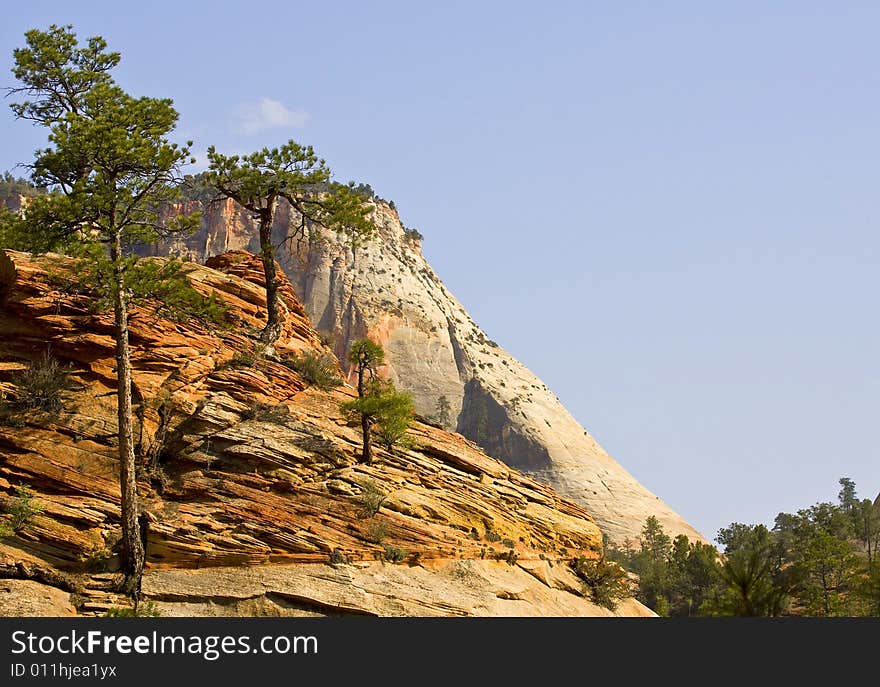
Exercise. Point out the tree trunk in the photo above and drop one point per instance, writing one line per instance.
(368, 440)
(367, 456)
(272, 330)
(132, 545)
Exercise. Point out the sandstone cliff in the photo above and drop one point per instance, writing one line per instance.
(387, 290)
(256, 504)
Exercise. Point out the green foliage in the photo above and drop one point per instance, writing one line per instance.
(676, 577)
(12, 236)
(366, 355)
(37, 388)
(21, 507)
(110, 170)
(57, 73)
(393, 411)
(604, 582)
(337, 557)
(819, 561)
(413, 235)
(293, 172)
(394, 554)
(11, 186)
(197, 187)
(160, 282)
(818, 549)
(370, 499)
(757, 582)
(244, 359)
(145, 609)
(378, 403)
(376, 532)
(164, 282)
(510, 556)
(320, 371)
(109, 164)
(388, 411)
(868, 590)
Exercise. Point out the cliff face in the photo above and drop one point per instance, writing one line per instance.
(387, 290)
(256, 504)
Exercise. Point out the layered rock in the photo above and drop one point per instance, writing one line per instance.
(386, 290)
(256, 502)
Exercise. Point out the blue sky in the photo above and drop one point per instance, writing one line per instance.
(668, 211)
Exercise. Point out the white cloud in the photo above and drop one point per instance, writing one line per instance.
(266, 113)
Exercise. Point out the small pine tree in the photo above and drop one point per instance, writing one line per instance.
(378, 403)
(394, 414)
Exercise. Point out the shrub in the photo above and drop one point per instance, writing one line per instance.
(371, 498)
(337, 557)
(317, 370)
(98, 561)
(263, 412)
(604, 582)
(510, 557)
(394, 554)
(413, 235)
(38, 387)
(21, 507)
(243, 359)
(376, 532)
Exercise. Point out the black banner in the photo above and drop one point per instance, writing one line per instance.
(239, 651)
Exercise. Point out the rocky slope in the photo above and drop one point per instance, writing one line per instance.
(387, 290)
(256, 504)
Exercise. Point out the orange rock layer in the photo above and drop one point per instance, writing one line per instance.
(254, 466)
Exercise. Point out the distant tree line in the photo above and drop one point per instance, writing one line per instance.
(820, 561)
(11, 186)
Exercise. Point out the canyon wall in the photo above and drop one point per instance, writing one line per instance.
(385, 289)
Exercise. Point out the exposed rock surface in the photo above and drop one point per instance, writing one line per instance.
(26, 598)
(257, 489)
(386, 290)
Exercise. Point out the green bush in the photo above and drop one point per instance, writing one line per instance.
(317, 370)
(413, 235)
(371, 498)
(242, 359)
(263, 412)
(510, 557)
(21, 507)
(38, 387)
(337, 557)
(376, 532)
(394, 554)
(604, 582)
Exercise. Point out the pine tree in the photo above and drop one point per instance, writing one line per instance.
(378, 403)
(294, 173)
(109, 169)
